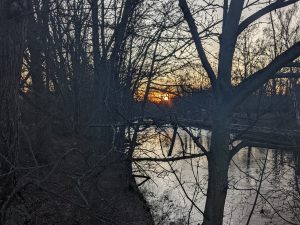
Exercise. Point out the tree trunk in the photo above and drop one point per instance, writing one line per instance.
(298, 163)
(12, 37)
(218, 164)
(34, 45)
(114, 192)
(120, 195)
(295, 101)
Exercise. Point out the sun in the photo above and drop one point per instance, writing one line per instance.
(165, 97)
(155, 96)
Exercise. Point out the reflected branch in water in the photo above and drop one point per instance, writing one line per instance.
(259, 187)
(195, 139)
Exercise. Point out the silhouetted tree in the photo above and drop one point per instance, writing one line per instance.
(227, 97)
(13, 27)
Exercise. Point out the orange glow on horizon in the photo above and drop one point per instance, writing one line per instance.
(160, 97)
(157, 97)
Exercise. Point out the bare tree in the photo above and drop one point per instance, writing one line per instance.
(13, 23)
(227, 97)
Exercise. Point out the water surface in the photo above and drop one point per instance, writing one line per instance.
(175, 185)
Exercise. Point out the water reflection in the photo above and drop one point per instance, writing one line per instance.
(171, 195)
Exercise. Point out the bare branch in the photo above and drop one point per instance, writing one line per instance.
(227, 43)
(258, 189)
(294, 64)
(276, 5)
(286, 75)
(196, 141)
(260, 77)
(198, 43)
(170, 159)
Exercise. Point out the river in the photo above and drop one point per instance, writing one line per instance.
(171, 195)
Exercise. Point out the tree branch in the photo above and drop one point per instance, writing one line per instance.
(227, 43)
(196, 141)
(286, 75)
(276, 5)
(198, 43)
(260, 77)
(293, 64)
(170, 159)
